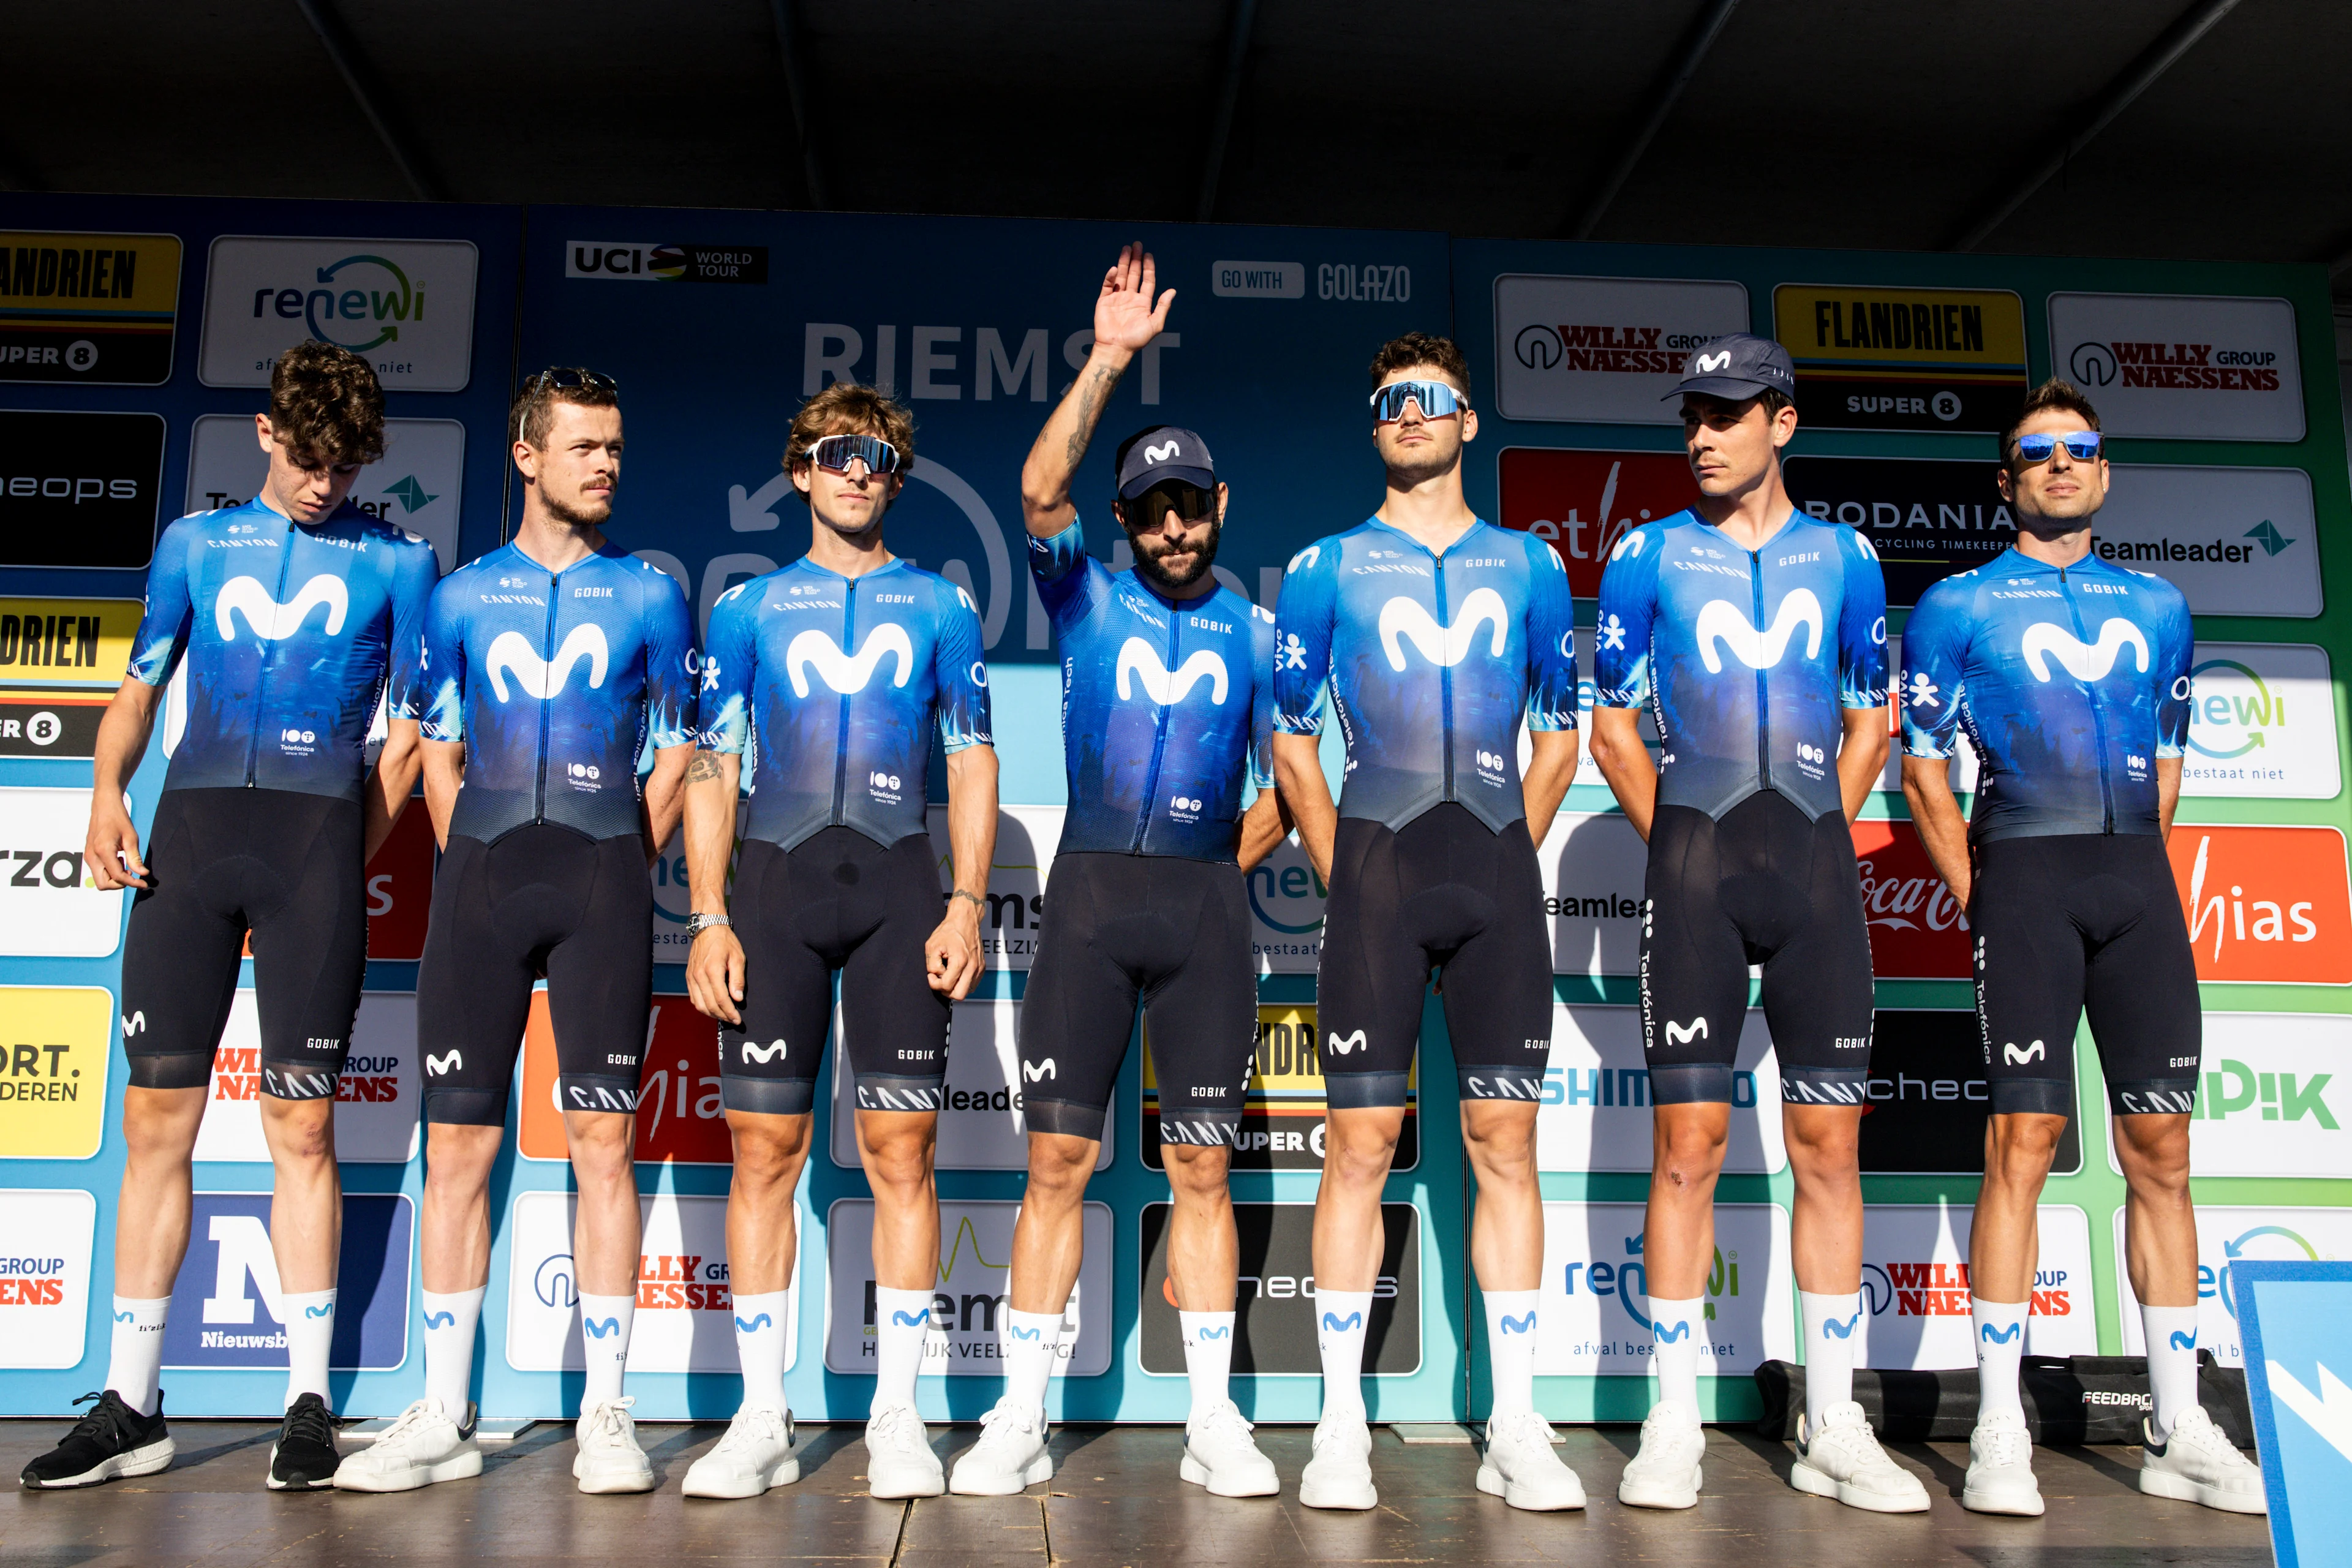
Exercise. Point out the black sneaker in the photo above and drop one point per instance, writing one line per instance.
(304, 1459)
(112, 1440)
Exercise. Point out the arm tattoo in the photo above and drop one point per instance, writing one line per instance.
(1091, 393)
(704, 766)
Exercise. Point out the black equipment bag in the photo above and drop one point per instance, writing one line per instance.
(2067, 1399)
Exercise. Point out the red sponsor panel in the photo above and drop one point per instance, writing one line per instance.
(400, 887)
(2265, 904)
(1917, 931)
(1585, 502)
(679, 1117)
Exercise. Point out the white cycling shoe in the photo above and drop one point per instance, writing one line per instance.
(755, 1456)
(609, 1459)
(1521, 1468)
(898, 1458)
(424, 1445)
(1221, 1455)
(1666, 1472)
(2000, 1468)
(1009, 1456)
(2198, 1463)
(1843, 1460)
(1340, 1473)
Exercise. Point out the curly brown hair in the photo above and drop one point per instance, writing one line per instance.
(848, 408)
(1423, 349)
(326, 406)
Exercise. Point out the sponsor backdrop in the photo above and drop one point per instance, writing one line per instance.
(134, 341)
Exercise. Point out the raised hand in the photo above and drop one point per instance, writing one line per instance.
(1124, 317)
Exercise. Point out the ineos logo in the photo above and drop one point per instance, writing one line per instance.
(2093, 364)
(1536, 347)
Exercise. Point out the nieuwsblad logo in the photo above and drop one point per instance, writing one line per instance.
(229, 1310)
(1404, 620)
(265, 617)
(845, 674)
(511, 654)
(1724, 626)
(1139, 666)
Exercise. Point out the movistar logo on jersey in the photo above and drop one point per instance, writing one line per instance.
(269, 619)
(1139, 665)
(1724, 626)
(844, 673)
(2043, 641)
(511, 654)
(1402, 620)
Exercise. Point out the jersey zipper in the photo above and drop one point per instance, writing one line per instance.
(2098, 716)
(1763, 683)
(1446, 675)
(261, 674)
(1158, 750)
(841, 735)
(546, 707)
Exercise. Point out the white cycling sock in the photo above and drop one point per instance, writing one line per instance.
(760, 1347)
(309, 1342)
(2171, 1364)
(1832, 1324)
(1340, 1320)
(450, 1319)
(604, 1324)
(1676, 1331)
(1999, 1329)
(902, 1322)
(1511, 1350)
(1032, 1345)
(136, 1355)
(1208, 1355)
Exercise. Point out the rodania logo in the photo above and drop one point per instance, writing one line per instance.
(2265, 904)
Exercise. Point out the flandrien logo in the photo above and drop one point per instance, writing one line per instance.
(657, 261)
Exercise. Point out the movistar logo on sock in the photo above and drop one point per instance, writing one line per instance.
(126, 1317)
(329, 1311)
(1220, 1332)
(1519, 1325)
(2001, 1336)
(2187, 1342)
(912, 1319)
(602, 1328)
(440, 1320)
(1019, 1332)
(1338, 1325)
(1675, 1335)
(756, 1324)
(1832, 1328)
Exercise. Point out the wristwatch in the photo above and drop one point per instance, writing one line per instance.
(697, 924)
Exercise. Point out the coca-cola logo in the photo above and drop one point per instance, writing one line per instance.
(1907, 902)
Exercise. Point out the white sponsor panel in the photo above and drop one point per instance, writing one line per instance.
(685, 1317)
(1595, 867)
(1596, 1101)
(2267, 1101)
(1596, 1292)
(406, 305)
(49, 906)
(1604, 349)
(2199, 367)
(1025, 839)
(981, 1127)
(1914, 1287)
(377, 1103)
(2224, 1237)
(417, 484)
(2262, 722)
(971, 1295)
(1285, 899)
(44, 1246)
(2237, 542)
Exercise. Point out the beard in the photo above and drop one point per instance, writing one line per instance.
(591, 514)
(1151, 562)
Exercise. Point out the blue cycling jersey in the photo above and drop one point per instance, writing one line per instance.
(291, 633)
(841, 682)
(2069, 681)
(1746, 656)
(1165, 705)
(1432, 660)
(561, 684)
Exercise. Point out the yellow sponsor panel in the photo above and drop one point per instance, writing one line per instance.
(59, 1042)
(67, 642)
(97, 309)
(1844, 325)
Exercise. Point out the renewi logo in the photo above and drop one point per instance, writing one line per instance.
(2258, 1241)
(357, 303)
(2234, 710)
(1288, 898)
(1631, 1279)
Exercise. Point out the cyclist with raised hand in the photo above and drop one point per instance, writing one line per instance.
(1167, 704)
(1757, 639)
(2071, 678)
(296, 614)
(1438, 635)
(839, 670)
(558, 726)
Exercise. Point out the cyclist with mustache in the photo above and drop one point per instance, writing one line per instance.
(1167, 703)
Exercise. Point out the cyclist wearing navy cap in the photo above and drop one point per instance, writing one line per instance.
(295, 614)
(1757, 637)
(2071, 678)
(1166, 705)
(836, 674)
(1439, 637)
